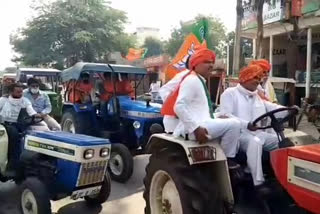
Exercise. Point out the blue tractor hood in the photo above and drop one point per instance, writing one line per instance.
(69, 138)
(139, 109)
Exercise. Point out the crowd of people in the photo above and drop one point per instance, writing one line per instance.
(187, 111)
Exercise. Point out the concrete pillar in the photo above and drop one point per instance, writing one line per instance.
(271, 56)
(254, 48)
(228, 60)
(309, 52)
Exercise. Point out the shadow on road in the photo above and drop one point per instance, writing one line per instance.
(79, 207)
(135, 184)
(9, 195)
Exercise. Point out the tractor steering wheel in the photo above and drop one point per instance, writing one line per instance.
(277, 123)
(32, 120)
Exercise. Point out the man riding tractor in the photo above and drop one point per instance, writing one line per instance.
(185, 176)
(244, 103)
(49, 165)
(41, 103)
(9, 110)
(110, 111)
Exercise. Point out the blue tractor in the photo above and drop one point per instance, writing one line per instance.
(123, 119)
(53, 165)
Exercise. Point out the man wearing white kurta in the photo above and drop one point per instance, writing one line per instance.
(244, 103)
(194, 110)
(171, 122)
(265, 89)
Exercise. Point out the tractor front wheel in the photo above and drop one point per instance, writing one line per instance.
(173, 186)
(34, 197)
(103, 195)
(120, 165)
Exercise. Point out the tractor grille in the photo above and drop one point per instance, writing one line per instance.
(91, 173)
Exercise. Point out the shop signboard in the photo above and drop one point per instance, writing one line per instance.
(309, 6)
(249, 20)
(272, 12)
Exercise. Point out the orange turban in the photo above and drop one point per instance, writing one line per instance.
(250, 72)
(201, 55)
(264, 64)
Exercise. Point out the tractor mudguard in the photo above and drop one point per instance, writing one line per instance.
(210, 152)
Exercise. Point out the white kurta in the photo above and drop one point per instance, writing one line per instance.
(247, 106)
(10, 108)
(170, 122)
(268, 91)
(192, 110)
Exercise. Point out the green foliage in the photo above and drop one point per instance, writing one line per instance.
(67, 31)
(217, 35)
(154, 46)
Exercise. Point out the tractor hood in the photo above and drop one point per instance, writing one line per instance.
(139, 109)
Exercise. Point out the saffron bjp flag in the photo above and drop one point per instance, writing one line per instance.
(135, 54)
(196, 39)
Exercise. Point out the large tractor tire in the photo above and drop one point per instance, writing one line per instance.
(76, 123)
(120, 165)
(34, 197)
(103, 195)
(173, 186)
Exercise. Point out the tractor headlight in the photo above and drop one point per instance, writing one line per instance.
(88, 154)
(136, 124)
(104, 152)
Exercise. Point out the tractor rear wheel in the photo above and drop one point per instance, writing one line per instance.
(120, 165)
(173, 186)
(34, 197)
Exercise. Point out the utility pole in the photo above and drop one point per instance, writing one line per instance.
(237, 40)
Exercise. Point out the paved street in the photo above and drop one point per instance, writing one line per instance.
(124, 199)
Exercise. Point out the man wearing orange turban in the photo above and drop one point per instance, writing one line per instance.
(244, 103)
(265, 89)
(190, 103)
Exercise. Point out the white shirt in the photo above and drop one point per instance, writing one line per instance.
(170, 122)
(191, 105)
(154, 87)
(245, 105)
(10, 108)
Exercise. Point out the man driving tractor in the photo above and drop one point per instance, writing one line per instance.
(10, 108)
(191, 104)
(244, 103)
(80, 90)
(40, 103)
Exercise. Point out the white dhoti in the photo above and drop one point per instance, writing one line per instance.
(254, 144)
(226, 129)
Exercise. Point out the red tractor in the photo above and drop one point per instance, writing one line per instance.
(183, 177)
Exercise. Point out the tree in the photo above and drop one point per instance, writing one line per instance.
(259, 7)
(64, 32)
(154, 46)
(217, 35)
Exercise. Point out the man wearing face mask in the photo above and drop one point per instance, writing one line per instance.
(40, 103)
(10, 107)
